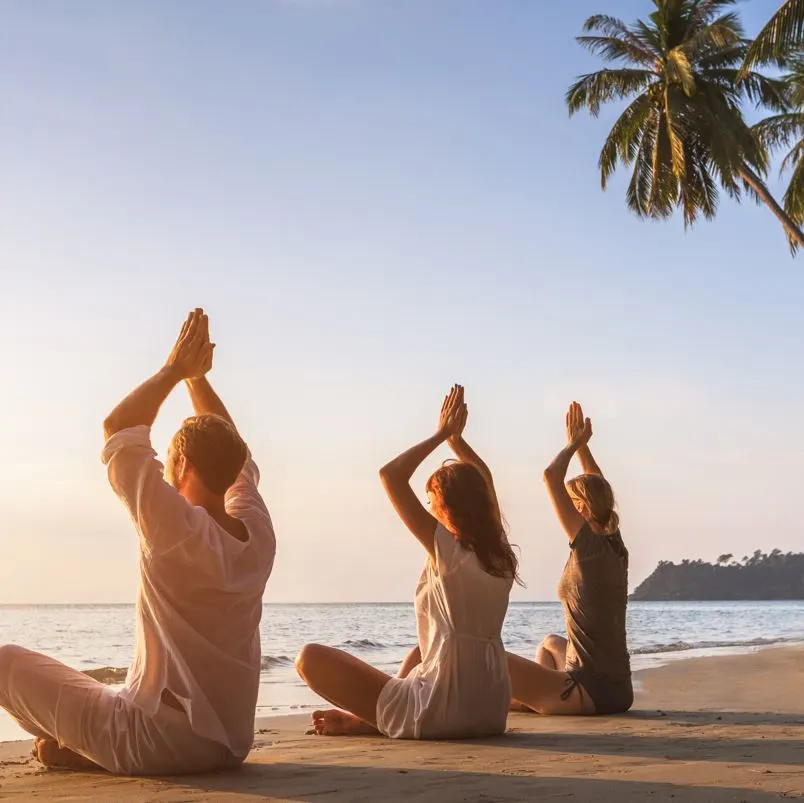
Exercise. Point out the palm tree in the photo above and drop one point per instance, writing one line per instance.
(786, 130)
(683, 130)
(784, 34)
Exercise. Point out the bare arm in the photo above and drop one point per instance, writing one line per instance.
(554, 477)
(395, 476)
(579, 432)
(575, 422)
(466, 454)
(191, 356)
(205, 400)
(141, 406)
(588, 463)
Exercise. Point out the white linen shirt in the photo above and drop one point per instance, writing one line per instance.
(200, 594)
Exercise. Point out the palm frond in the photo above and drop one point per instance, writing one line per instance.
(679, 70)
(639, 188)
(780, 130)
(771, 93)
(623, 140)
(792, 160)
(612, 48)
(793, 79)
(615, 28)
(783, 34)
(699, 192)
(649, 37)
(674, 133)
(664, 187)
(593, 90)
(794, 196)
(704, 11)
(721, 34)
(731, 56)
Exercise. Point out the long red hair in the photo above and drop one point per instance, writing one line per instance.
(465, 501)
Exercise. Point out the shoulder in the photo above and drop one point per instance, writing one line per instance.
(243, 499)
(589, 544)
(134, 440)
(447, 548)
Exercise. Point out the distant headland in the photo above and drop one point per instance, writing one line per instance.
(773, 576)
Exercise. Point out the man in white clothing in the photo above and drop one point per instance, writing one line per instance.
(207, 548)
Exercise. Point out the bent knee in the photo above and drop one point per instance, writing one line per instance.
(9, 655)
(553, 641)
(308, 657)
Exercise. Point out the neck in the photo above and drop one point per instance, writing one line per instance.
(212, 503)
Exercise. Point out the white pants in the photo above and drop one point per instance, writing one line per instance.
(52, 701)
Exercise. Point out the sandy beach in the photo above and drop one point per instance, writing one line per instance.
(727, 728)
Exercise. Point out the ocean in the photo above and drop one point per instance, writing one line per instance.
(100, 638)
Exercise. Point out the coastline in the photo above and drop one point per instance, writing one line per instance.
(724, 728)
(641, 661)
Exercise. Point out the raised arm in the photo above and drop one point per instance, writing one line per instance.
(466, 454)
(190, 357)
(205, 400)
(579, 431)
(162, 516)
(395, 476)
(588, 463)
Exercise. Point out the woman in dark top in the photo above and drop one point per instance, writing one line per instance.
(589, 672)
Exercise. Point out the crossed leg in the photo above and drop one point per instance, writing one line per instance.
(552, 652)
(537, 688)
(80, 724)
(39, 692)
(348, 683)
(541, 682)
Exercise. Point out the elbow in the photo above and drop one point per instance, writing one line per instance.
(389, 477)
(109, 427)
(551, 477)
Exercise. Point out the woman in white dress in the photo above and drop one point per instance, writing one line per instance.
(461, 688)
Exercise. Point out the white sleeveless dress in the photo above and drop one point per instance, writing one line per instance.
(461, 689)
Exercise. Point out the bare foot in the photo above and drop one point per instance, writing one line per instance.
(339, 723)
(48, 752)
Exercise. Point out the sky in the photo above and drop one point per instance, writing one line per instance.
(372, 199)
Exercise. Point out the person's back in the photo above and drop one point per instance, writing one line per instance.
(200, 597)
(594, 592)
(460, 611)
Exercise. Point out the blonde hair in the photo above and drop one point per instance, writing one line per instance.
(596, 493)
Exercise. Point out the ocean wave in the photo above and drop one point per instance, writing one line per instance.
(117, 674)
(270, 661)
(108, 674)
(683, 646)
(361, 644)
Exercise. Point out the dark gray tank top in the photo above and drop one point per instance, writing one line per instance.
(594, 593)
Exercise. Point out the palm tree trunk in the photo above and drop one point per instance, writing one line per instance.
(794, 233)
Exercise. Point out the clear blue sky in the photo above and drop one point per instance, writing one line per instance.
(372, 199)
